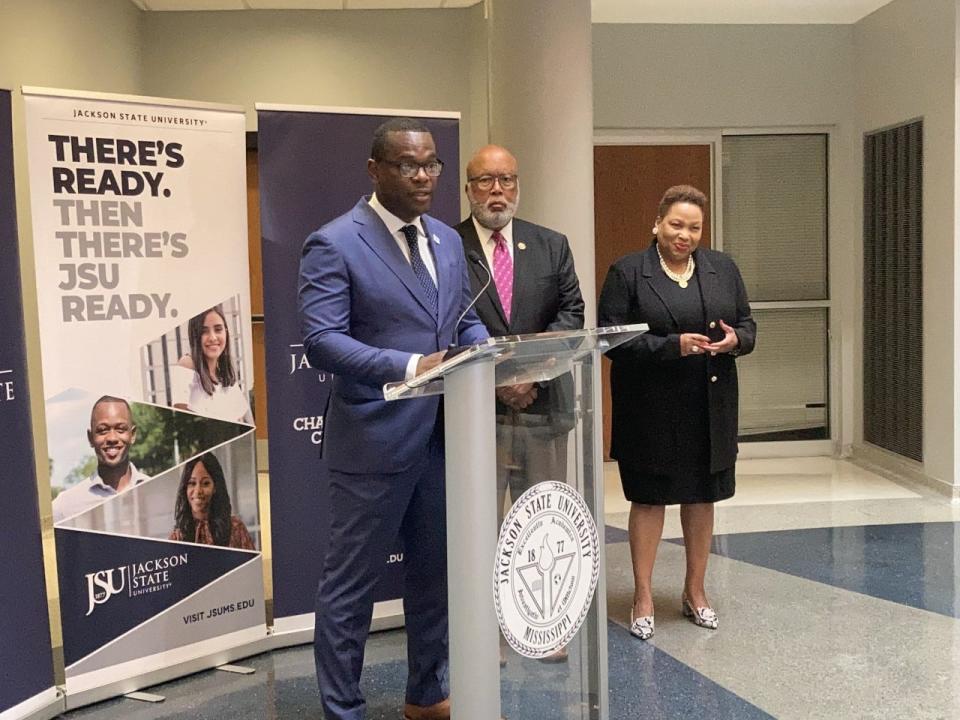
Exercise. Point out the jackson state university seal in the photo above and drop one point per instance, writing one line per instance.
(546, 569)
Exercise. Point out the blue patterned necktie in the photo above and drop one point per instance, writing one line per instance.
(419, 269)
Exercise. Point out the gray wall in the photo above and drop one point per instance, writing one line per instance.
(905, 56)
(421, 59)
(86, 44)
(541, 108)
(664, 78)
(671, 76)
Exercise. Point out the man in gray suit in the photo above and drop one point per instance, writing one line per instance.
(533, 289)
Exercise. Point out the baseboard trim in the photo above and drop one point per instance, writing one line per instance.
(902, 470)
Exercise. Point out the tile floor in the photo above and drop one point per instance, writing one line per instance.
(837, 591)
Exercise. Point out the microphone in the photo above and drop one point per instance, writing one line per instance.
(474, 257)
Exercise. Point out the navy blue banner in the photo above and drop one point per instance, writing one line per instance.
(24, 624)
(119, 583)
(312, 169)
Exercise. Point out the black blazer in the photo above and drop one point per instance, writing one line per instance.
(546, 297)
(646, 429)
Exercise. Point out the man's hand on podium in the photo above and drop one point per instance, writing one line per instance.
(429, 362)
(517, 397)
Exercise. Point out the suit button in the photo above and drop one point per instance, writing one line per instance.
(713, 378)
(713, 324)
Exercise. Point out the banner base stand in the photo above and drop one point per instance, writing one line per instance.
(208, 661)
(141, 696)
(45, 706)
(298, 629)
(237, 669)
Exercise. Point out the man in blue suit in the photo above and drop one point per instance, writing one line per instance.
(381, 291)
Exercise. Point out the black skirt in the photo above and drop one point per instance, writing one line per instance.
(690, 479)
(695, 486)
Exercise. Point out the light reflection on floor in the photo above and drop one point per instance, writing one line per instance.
(837, 592)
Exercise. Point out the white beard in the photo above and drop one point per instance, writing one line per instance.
(494, 220)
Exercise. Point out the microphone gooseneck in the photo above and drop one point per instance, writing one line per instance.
(474, 257)
(453, 349)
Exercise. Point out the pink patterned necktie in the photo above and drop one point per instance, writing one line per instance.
(503, 273)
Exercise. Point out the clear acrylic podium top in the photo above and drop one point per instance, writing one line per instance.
(520, 358)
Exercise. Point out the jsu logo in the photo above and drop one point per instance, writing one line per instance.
(103, 585)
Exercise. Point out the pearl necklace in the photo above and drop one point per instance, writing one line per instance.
(680, 278)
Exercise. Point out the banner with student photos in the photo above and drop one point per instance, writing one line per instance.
(26, 683)
(142, 275)
(312, 168)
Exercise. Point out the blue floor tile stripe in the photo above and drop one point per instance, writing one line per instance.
(648, 683)
(615, 535)
(645, 683)
(914, 564)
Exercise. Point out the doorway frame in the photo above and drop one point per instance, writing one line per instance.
(714, 138)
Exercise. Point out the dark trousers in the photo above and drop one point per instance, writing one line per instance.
(368, 513)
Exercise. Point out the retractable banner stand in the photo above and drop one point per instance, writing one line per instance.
(26, 681)
(139, 228)
(312, 164)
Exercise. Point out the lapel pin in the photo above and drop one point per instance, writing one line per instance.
(435, 239)
(522, 245)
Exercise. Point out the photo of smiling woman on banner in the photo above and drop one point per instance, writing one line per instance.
(205, 381)
(198, 366)
(203, 513)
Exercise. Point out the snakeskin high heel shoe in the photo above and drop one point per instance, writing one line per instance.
(641, 627)
(705, 617)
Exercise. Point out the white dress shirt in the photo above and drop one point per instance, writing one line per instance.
(89, 493)
(487, 242)
(226, 403)
(394, 225)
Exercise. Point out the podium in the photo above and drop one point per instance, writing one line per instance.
(490, 447)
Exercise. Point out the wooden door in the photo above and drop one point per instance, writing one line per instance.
(628, 182)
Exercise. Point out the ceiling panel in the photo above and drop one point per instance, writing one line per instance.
(295, 4)
(733, 11)
(193, 4)
(605, 11)
(391, 4)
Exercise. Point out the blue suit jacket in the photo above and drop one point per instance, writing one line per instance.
(362, 314)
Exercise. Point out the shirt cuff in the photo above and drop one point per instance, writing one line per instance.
(412, 367)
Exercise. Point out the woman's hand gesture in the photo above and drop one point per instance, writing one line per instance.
(729, 342)
(693, 344)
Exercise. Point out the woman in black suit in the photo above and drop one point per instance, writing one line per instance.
(675, 393)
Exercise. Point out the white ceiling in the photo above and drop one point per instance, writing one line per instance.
(604, 11)
(299, 4)
(734, 11)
